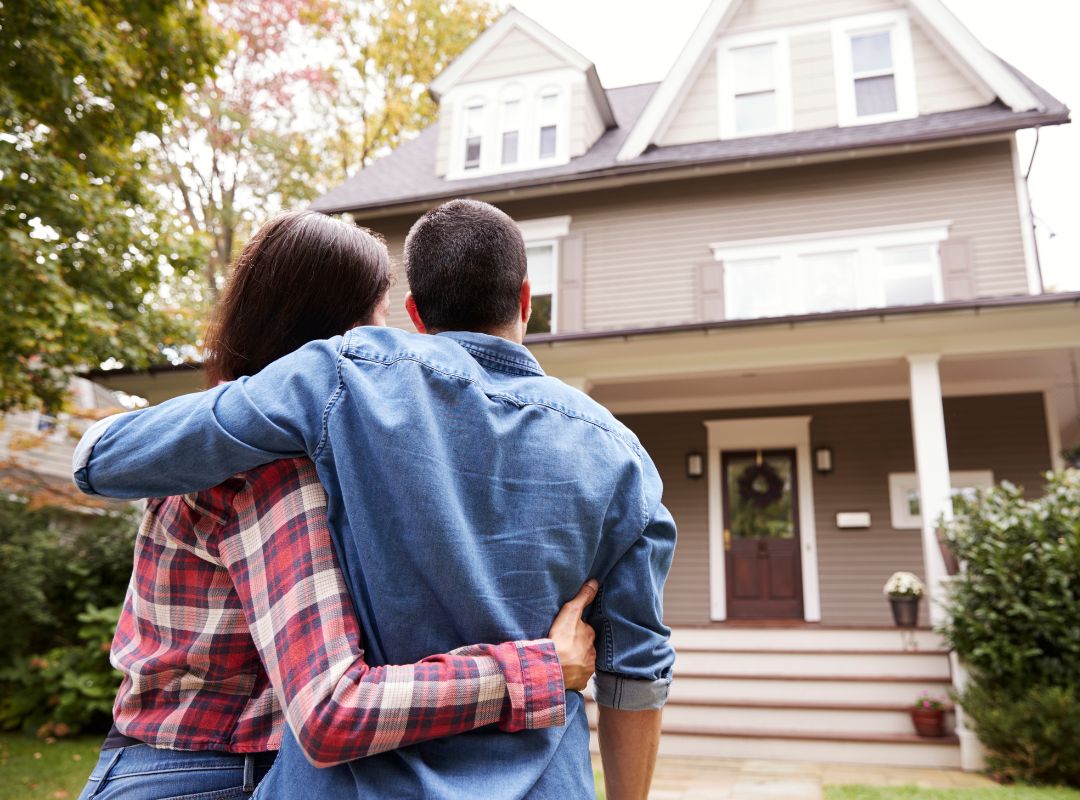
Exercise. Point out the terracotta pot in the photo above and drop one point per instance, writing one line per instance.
(905, 611)
(928, 721)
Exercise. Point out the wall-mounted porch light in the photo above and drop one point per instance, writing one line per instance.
(695, 465)
(823, 461)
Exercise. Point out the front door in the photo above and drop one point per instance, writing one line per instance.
(761, 535)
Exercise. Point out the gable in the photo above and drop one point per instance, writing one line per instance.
(516, 53)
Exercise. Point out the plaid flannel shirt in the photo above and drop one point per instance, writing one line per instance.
(237, 609)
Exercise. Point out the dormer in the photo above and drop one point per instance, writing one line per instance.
(519, 98)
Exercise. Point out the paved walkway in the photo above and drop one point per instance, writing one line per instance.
(719, 779)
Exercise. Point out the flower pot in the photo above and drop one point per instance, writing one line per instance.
(905, 611)
(928, 721)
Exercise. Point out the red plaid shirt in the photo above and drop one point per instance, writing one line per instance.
(237, 609)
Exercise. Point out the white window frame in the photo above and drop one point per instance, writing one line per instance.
(540, 233)
(492, 94)
(538, 122)
(463, 138)
(901, 484)
(866, 243)
(896, 23)
(785, 121)
(511, 94)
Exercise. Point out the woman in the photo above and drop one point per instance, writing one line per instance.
(237, 618)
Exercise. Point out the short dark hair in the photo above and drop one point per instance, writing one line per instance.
(303, 276)
(466, 261)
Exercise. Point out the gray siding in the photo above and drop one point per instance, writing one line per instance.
(698, 116)
(758, 15)
(1006, 434)
(517, 54)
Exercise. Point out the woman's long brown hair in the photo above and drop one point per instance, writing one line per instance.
(303, 276)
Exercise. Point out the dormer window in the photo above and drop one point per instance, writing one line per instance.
(755, 85)
(875, 74)
(474, 133)
(511, 130)
(548, 122)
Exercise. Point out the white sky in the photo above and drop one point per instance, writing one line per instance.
(636, 41)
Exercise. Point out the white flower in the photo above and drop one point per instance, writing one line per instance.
(904, 584)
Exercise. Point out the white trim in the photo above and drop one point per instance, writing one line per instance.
(785, 115)
(1027, 222)
(762, 433)
(1053, 431)
(903, 66)
(533, 230)
(901, 483)
(999, 78)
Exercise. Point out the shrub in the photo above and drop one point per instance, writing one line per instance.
(1013, 620)
(63, 581)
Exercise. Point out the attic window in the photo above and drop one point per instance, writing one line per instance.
(511, 130)
(548, 122)
(875, 73)
(755, 85)
(474, 127)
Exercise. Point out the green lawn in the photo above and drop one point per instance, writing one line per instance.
(31, 769)
(915, 793)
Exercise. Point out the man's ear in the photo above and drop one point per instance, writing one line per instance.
(414, 314)
(526, 302)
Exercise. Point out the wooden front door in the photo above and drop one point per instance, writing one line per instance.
(761, 535)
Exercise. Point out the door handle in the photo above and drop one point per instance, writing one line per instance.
(727, 538)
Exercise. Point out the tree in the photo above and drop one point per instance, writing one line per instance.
(309, 90)
(82, 242)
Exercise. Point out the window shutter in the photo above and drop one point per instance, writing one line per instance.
(957, 270)
(710, 291)
(571, 293)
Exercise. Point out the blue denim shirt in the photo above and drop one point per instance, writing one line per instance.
(470, 496)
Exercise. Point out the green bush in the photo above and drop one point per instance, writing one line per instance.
(1015, 621)
(63, 581)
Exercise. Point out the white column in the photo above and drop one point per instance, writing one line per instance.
(932, 466)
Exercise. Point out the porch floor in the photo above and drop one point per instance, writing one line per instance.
(735, 779)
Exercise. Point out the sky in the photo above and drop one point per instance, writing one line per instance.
(636, 41)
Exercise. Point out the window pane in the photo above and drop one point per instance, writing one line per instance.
(829, 281)
(510, 112)
(909, 290)
(510, 147)
(541, 268)
(871, 52)
(547, 141)
(474, 120)
(755, 288)
(915, 255)
(875, 95)
(549, 109)
(540, 320)
(754, 68)
(472, 153)
(755, 112)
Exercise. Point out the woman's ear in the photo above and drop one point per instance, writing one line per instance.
(414, 314)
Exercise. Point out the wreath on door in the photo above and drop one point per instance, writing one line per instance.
(760, 485)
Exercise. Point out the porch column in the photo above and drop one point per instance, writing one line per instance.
(932, 466)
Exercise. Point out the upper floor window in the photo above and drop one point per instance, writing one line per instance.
(547, 118)
(474, 135)
(511, 130)
(870, 269)
(755, 86)
(874, 69)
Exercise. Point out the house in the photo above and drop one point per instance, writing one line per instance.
(802, 268)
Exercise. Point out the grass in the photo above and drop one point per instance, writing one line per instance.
(32, 769)
(916, 793)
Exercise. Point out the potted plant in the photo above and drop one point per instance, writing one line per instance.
(904, 591)
(928, 715)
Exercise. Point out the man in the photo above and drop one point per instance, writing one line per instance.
(469, 494)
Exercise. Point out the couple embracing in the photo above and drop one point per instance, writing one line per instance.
(349, 499)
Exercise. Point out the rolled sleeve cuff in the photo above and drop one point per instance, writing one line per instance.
(545, 692)
(630, 694)
(80, 461)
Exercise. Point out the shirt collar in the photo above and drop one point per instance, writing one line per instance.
(496, 353)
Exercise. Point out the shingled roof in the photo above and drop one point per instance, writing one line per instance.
(407, 175)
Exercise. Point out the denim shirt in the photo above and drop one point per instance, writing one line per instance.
(469, 496)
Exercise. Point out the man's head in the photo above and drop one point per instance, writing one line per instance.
(467, 270)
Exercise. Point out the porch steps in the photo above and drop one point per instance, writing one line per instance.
(839, 695)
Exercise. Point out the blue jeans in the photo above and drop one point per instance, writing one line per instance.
(142, 772)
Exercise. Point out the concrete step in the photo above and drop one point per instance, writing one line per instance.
(811, 663)
(731, 637)
(793, 718)
(887, 750)
(824, 689)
